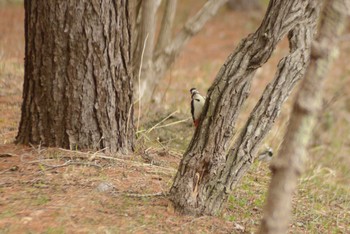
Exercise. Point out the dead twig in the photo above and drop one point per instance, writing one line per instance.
(157, 126)
(195, 220)
(67, 163)
(13, 168)
(7, 155)
(135, 163)
(159, 194)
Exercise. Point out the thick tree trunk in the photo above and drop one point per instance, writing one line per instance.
(288, 166)
(210, 170)
(239, 5)
(77, 89)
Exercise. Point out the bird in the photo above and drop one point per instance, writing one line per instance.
(197, 104)
(265, 155)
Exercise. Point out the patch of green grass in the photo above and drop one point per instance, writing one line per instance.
(41, 200)
(6, 214)
(54, 230)
(4, 3)
(231, 218)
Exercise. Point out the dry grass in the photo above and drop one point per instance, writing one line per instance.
(58, 191)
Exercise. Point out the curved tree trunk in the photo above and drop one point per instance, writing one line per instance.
(289, 164)
(209, 169)
(78, 81)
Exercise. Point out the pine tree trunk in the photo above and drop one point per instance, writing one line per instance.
(78, 86)
(210, 169)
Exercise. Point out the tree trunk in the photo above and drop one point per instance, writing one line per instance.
(78, 86)
(147, 38)
(209, 170)
(288, 166)
(243, 5)
(166, 28)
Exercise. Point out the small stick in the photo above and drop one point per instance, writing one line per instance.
(166, 125)
(122, 160)
(159, 194)
(68, 163)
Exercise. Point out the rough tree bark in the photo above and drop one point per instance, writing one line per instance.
(288, 166)
(239, 5)
(209, 169)
(78, 80)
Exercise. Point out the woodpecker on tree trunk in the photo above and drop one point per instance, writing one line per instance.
(197, 104)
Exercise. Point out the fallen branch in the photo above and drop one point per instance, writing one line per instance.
(13, 168)
(69, 163)
(86, 155)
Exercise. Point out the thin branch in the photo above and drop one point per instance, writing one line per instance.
(156, 125)
(166, 125)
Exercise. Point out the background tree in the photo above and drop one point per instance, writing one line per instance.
(160, 54)
(210, 168)
(289, 164)
(78, 80)
(239, 5)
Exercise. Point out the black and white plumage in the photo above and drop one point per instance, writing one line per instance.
(265, 155)
(197, 104)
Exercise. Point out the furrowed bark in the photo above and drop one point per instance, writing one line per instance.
(288, 166)
(209, 170)
(77, 89)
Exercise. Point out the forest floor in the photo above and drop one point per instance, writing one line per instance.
(51, 190)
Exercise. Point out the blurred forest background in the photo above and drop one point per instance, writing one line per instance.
(37, 196)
